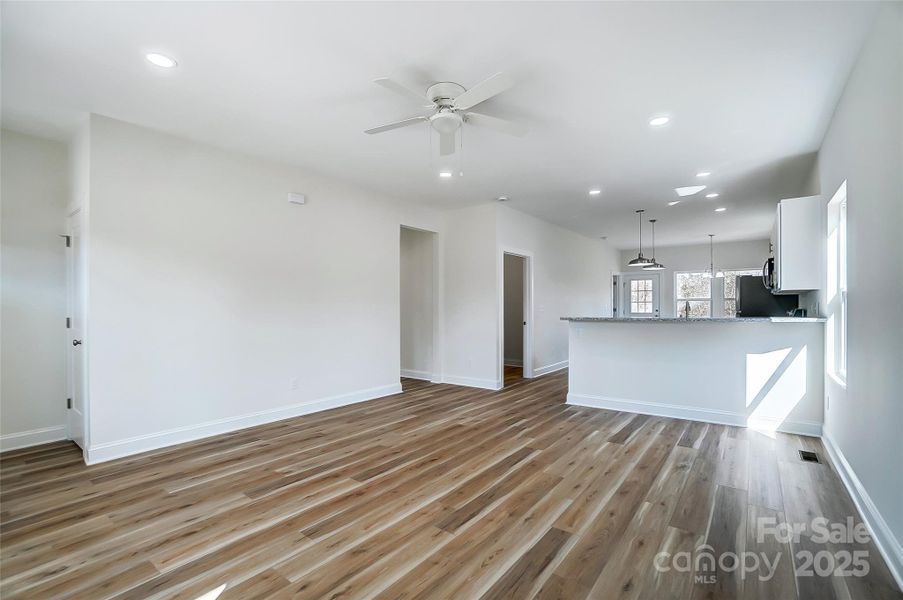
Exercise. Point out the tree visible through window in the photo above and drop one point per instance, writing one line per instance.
(730, 289)
(641, 296)
(695, 288)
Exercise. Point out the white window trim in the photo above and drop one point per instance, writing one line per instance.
(836, 299)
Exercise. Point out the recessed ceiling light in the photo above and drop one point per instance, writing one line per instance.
(712, 195)
(703, 174)
(689, 190)
(445, 174)
(502, 198)
(595, 192)
(161, 60)
(720, 209)
(659, 121)
(673, 202)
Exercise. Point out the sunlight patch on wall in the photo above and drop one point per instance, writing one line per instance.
(760, 368)
(788, 388)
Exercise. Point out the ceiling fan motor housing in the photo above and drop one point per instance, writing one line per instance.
(444, 93)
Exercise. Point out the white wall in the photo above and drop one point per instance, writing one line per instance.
(571, 277)
(417, 292)
(864, 146)
(513, 297)
(33, 360)
(211, 296)
(728, 255)
(471, 297)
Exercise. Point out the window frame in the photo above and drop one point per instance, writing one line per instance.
(679, 301)
(836, 300)
(651, 299)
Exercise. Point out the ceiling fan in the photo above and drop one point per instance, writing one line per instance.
(451, 105)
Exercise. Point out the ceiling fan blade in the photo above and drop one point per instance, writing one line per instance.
(394, 86)
(446, 143)
(509, 127)
(496, 84)
(396, 125)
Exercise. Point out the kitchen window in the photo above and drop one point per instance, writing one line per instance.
(730, 289)
(836, 305)
(693, 287)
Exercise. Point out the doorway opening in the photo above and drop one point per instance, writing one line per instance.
(516, 318)
(418, 307)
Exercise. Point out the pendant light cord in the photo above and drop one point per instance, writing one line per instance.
(653, 238)
(640, 215)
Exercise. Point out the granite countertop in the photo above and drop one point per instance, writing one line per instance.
(696, 320)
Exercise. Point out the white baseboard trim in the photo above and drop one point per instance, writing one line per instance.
(486, 384)
(412, 374)
(34, 437)
(513, 362)
(98, 453)
(888, 545)
(539, 372)
(708, 415)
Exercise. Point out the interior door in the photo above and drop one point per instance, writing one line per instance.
(76, 415)
(640, 295)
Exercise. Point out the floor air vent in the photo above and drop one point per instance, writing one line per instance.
(807, 456)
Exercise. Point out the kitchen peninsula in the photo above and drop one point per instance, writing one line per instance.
(766, 373)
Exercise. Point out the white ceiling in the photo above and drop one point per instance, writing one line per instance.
(750, 87)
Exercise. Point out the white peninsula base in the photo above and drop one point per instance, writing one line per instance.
(762, 373)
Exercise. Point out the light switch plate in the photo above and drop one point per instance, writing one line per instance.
(294, 198)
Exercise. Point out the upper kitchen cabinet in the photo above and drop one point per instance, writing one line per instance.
(797, 239)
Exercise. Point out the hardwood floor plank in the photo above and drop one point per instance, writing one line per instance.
(440, 491)
(521, 577)
(726, 537)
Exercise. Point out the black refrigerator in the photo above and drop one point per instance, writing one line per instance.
(755, 300)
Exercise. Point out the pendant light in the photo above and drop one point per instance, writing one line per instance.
(640, 260)
(711, 270)
(655, 266)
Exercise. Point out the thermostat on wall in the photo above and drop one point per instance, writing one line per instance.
(294, 198)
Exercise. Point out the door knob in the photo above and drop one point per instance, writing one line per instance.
(76, 342)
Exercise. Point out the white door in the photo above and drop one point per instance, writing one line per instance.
(640, 295)
(75, 340)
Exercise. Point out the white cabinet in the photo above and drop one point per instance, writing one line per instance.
(798, 237)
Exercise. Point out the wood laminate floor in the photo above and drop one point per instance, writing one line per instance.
(438, 492)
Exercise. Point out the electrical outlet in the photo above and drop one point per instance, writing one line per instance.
(294, 383)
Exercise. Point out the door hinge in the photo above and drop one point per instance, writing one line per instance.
(68, 239)
(68, 322)
(68, 402)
